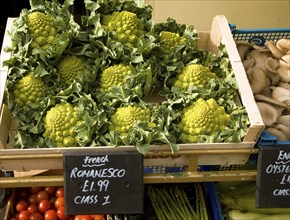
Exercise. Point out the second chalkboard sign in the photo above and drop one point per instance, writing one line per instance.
(273, 177)
(103, 183)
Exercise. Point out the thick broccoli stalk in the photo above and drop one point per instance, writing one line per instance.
(70, 68)
(203, 117)
(114, 76)
(59, 123)
(126, 27)
(41, 29)
(29, 90)
(194, 75)
(170, 40)
(126, 117)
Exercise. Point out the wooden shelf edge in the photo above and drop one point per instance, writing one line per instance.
(180, 177)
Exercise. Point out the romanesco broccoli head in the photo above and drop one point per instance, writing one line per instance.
(127, 28)
(170, 40)
(28, 90)
(194, 75)
(125, 117)
(203, 117)
(71, 67)
(59, 124)
(114, 76)
(41, 28)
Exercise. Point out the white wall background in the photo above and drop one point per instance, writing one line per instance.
(243, 13)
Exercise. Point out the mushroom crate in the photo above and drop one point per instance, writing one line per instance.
(265, 55)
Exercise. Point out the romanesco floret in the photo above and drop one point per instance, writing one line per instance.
(28, 90)
(194, 75)
(42, 30)
(125, 117)
(114, 76)
(70, 67)
(170, 40)
(203, 117)
(127, 28)
(59, 124)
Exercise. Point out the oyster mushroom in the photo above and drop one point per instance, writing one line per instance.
(267, 92)
(278, 105)
(257, 79)
(281, 94)
(277, 133)
(283, 44)
(248, 63)
(284, 74)
(260, 57)
(268, 113)
(284, 120)
(243, 47)
(285, 61)
(284, 129)
(284, 85)
(274, 49)
(272, 65)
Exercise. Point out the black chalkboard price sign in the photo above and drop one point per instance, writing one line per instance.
(103, 183)
(273, 177)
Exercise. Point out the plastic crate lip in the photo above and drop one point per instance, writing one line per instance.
(267, 139)
(257, 30)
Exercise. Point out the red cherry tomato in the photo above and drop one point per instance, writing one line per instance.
(41, 195)
(59, 192)
(21, 205)
(32, 199)
(32, 208)
(36, 216)
(52, 199)
(44, 205)
(59, 202)
(50, 215)
(23, 193)
(35, 189)
(83, 217)
(61, 213)
(24, 215)
(98, 217)
(50, 190)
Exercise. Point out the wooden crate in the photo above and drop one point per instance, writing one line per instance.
(190, 155)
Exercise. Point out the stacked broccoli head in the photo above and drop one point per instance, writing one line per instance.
(59, 123)
(41, 28)
(203, 117)
(126, 117)
(29, 90)
(126, 27)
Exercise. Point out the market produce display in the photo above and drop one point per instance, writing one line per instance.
(88, 84)
(44, 203)
(268, 71)
(238, 200)
(178, 202)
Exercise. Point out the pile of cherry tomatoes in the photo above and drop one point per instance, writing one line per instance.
(44, 203)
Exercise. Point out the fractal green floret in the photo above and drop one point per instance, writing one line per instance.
(125, 117)
(170, 40)
(42, 30)
(114, 76)
(194, 75)
(203, 117)
(127, 28)
(59, 123)
(29, 90)
(71, 67)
